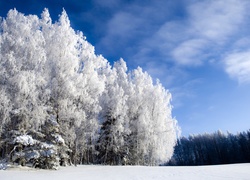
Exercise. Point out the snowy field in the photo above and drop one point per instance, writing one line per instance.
(236, 171)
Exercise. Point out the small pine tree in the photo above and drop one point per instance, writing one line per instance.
(45, 149)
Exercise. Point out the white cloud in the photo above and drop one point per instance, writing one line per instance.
(131, 26)
(216, 20)
(123, 24)
(146, 32)
(206, 29)
(189, 52)
(237, 65)
(242, 43)
(214, 24)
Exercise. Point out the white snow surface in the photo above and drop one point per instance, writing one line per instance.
(92, 172)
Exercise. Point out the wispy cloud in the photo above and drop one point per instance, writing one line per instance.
(236, 61)
(176, 34)
(216, 20)
(190, 52)
(207, 27)
(130, 26)
(238, 66)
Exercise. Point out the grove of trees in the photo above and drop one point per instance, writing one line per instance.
(62, 104)
(211, 149)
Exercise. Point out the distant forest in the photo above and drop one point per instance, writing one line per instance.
(212, 149)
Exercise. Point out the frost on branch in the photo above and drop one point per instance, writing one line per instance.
(62, 104)
(24, 140)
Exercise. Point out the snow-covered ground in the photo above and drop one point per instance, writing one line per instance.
(225, 172)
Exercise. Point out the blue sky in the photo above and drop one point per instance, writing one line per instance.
(199, 49)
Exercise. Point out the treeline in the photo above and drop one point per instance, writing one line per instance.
(212, 149)
(60, 103)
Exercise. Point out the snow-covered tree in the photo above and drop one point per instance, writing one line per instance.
(60, 103)
(153, 132)
(112, 144)
(21, 49)
(90, 85)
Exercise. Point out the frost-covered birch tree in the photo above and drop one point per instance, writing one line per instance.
(153, 133)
